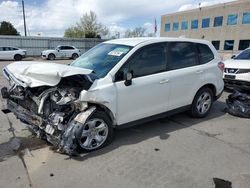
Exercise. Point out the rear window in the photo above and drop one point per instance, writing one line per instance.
(205, 53)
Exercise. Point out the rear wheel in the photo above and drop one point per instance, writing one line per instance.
(51, 57)
(18, 57)
(75, 56)
(202, 103)
(96, 133)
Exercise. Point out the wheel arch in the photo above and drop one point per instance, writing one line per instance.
(51, 53)
(210, 86)
(101, 107)
(17, 54)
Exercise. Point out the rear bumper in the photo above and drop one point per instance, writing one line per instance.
(237, 84)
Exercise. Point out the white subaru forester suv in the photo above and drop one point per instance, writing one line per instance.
(117, 83)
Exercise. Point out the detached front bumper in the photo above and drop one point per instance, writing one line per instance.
(21, 113)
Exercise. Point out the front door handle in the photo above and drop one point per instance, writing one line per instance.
(199, 72)
(164, 81)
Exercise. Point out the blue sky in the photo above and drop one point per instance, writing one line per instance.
(52, 17)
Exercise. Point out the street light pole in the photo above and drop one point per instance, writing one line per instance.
(24, 22)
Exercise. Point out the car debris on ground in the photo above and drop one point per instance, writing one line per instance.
(238, 104)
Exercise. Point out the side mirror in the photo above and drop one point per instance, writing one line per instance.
(233, 56)
(128, 78)
(58, 50)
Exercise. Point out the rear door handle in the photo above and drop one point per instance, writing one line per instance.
(199, 71)
(164, 81)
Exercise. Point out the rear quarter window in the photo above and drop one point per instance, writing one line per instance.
(205, 53)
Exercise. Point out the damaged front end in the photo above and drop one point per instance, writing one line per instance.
(54, 113)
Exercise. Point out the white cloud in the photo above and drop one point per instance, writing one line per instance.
(202, 4)
(52, 17)
(116, 30)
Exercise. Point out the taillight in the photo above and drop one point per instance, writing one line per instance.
(221, 66)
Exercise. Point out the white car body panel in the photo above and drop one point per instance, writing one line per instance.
(35, 74)
(237, 64)
(61, 53)
(147, 96)
(237, 72)
(9, 55)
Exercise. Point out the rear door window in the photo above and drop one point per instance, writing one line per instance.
(205, 53)
(6, 49)
(181, 55)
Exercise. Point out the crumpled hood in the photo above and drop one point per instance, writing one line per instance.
(237, 64)
(34, 74)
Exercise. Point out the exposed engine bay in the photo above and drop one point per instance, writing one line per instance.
(54, 113)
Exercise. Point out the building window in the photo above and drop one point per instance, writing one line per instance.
(218, 21)
(194, 24)
(246, 18)
(184, 25)
(175, 26)
(232, 19)
(167, 27)
(229, 45)
(244, 44)
(205, 22)
(216, 44)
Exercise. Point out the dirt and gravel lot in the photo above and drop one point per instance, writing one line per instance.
(178, 151)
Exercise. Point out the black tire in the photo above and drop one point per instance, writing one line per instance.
(75, 56)
(103, 116)
(51, 57)
(18, 57)
(201, 106)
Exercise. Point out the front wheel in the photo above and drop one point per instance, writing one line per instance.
(18, 57)
(96, 133)
(51, 57)
(75, 56)
(202, 103)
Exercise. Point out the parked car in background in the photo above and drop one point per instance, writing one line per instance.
(61, 52)
(237, 71)
(117, 83)
(10, 53)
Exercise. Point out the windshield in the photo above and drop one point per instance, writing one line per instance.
(244, 55)
(102, 58)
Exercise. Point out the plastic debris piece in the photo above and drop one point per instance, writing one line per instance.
(238, 104)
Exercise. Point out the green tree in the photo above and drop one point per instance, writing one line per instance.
(6, 28)
(87, 27)
(74, 32)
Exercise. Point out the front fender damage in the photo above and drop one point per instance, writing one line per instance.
(55, 113)
(67, 140)
(68, 143)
